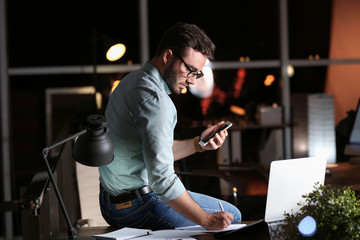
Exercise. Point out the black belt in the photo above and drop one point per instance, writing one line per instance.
(128, 196)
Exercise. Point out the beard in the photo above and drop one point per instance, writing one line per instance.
(170, 77)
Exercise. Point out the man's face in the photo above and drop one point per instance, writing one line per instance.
(183, 69)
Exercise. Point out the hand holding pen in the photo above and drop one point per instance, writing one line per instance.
(221, 207)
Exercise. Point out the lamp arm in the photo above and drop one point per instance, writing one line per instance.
(47, 149)
(71, 230)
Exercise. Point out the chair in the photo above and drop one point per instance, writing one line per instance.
(88, 187)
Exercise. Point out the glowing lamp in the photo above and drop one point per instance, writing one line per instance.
(115, 52)
(237, 110)
(204, 86)
(307, 226)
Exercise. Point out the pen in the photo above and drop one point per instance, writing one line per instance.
(221, 207)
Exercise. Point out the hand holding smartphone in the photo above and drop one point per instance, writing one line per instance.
(211, 135)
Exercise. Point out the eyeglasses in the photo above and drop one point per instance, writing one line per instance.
(191, 73)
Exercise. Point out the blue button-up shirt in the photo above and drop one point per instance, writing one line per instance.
(142, 118)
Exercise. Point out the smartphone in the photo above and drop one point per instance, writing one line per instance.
(211, 135)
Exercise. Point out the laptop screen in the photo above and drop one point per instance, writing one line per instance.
(288, 181)
(355, 132)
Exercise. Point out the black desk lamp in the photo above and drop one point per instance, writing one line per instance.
(92, 148)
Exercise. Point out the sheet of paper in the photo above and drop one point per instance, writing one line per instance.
(183, 233)
(198, 228)
(123, 234)
(170, 234)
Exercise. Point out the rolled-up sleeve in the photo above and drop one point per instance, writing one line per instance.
(156, 121)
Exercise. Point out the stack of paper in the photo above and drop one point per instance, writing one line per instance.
(184, 233)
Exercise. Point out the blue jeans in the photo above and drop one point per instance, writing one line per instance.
(149, 212)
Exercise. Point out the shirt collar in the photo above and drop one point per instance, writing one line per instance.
(148, 67)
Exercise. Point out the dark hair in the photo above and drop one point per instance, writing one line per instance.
(182, 36)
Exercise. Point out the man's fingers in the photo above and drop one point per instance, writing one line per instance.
(227, 219)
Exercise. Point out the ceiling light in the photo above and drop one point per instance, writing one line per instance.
(115, 52)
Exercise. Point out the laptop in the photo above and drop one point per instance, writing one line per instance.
(289, 180)
(353, 147)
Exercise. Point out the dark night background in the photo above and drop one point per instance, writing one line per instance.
(63, 33)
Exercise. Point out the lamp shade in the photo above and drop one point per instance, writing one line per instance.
(94, 148)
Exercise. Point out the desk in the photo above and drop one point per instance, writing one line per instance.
(344, 174)
(89, 231)
(338, 175)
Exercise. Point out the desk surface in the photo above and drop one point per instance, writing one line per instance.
(90, 231)
(344, 174)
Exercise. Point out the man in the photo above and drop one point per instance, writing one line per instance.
(140, 188)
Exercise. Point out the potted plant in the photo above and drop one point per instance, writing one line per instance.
(335, 210)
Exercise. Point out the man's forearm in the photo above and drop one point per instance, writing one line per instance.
(187, 207)
(183, 148)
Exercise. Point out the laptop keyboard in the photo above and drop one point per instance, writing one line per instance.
(275, 229)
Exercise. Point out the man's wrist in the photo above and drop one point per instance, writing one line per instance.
(197, 145)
